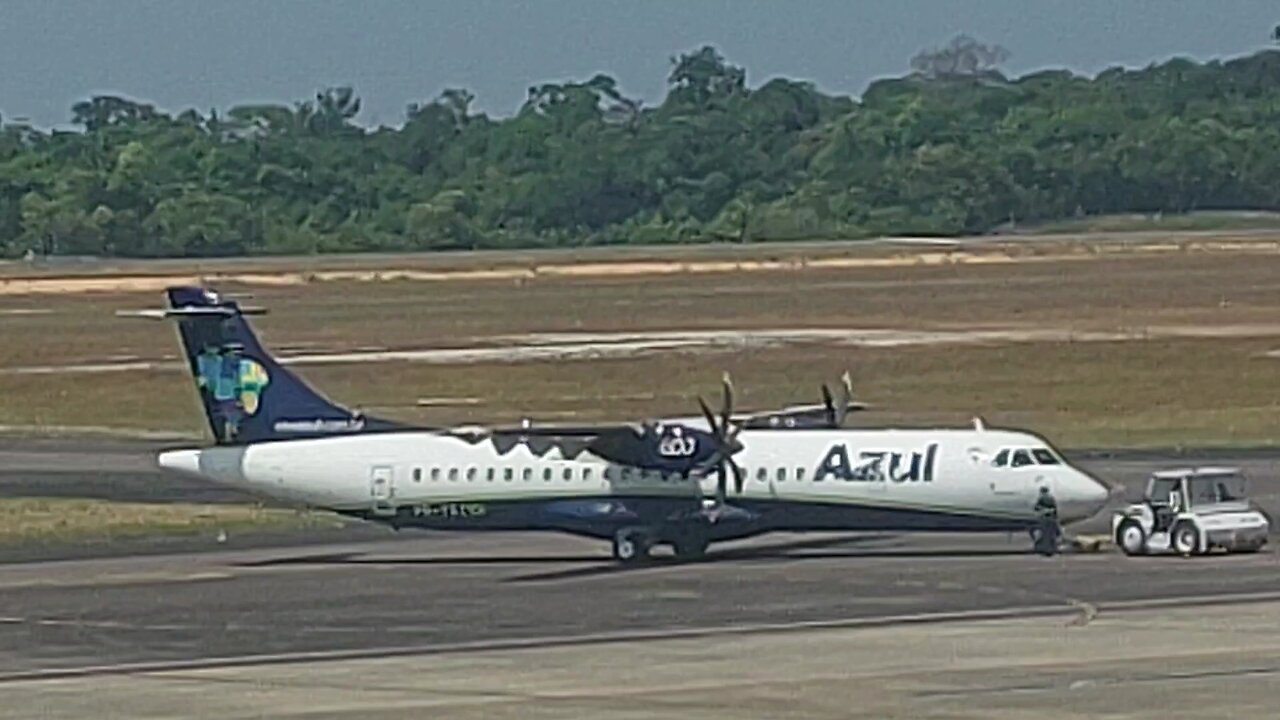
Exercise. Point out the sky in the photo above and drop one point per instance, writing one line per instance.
(179, 54)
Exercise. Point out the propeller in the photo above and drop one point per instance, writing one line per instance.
(727, 444)
(836, 411)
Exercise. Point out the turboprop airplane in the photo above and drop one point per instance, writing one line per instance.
(685, 483)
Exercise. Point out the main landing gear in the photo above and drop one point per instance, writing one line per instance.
(631, 545)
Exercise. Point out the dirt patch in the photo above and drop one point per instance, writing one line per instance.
(542, 347)
(976, 254)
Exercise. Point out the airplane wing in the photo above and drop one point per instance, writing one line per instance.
(665, 446)
(796, 416)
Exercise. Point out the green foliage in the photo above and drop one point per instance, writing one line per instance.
(953, 148)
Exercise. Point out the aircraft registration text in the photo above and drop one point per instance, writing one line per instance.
(451, 510)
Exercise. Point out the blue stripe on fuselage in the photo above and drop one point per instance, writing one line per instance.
(602, 516)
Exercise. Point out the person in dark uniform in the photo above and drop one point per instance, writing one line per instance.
(1047, 510)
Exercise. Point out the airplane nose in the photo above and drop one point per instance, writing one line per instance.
(1095, 493)
(184, 461)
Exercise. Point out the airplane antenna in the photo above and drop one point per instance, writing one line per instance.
(978, 424)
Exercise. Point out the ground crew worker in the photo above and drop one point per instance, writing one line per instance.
(1047, 510)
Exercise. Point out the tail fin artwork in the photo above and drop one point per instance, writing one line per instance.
(248, 397)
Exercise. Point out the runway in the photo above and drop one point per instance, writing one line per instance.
(523, 625)
(1121, 666)
(431, 617)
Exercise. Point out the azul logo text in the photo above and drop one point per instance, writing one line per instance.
(896, 466)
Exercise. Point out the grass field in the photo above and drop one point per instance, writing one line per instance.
(61, 520)
(1212, 309)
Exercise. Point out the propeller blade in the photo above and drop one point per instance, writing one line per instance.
(846, 396)
(721, 491)
(830, 404)
(731, 444)
(726, 410)
(738, 479)
(710, 416)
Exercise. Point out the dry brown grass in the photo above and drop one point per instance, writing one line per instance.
(1112, 394)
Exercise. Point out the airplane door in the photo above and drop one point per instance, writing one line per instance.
(382, 488)
(1010, 482)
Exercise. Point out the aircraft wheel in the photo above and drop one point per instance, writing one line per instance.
(1130, 538)
(1037, 537)
(691, 548)
(1186, 540)
(630, 546)
(1042, 542)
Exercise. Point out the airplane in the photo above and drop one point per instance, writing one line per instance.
(684, 482)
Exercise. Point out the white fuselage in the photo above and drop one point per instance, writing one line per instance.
(947, 471)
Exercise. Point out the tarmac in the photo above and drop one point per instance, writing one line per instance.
(1169, 664)
(536, 625)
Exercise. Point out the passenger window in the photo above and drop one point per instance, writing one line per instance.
(435, 473)
(1044, 457)
(508, 474)
(799, 474)
(762, 474)
(586, 474)
(782, 474)
(417, 474)
(546, 474)
(568, 474)
(1002, 458)
(526, 474)
(453, 473)
(471, 474)
(488, 474)
(1021, 458)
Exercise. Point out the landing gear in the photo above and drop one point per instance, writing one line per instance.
(1045, 538)
(630, 546)
(691, 547)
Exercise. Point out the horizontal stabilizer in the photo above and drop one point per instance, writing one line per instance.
(190, 312)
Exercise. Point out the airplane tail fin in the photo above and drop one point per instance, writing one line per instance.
(247, 395)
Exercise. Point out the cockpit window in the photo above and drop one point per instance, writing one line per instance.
(1002, 458)
(1044, 457)
(1021, 458)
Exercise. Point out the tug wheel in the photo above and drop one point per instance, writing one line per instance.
(1130, 538)
(1186, 539)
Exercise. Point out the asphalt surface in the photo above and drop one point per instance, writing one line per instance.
(1163, 663)
(431, 592)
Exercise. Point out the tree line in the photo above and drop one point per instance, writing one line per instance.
(952, 147)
